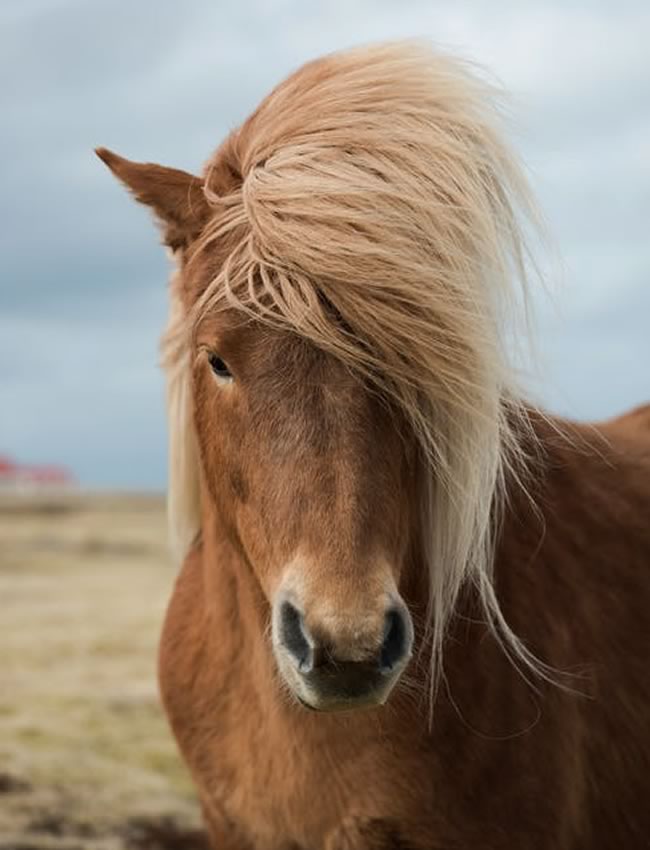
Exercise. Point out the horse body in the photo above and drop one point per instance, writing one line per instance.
(413, 610)
(503, 765)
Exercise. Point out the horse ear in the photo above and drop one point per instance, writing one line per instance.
(175, 196)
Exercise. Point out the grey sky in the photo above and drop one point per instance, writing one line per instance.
(82, 287)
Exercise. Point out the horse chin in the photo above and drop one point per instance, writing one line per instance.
(338, 706)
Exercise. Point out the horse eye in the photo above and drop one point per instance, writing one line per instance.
(219, 367)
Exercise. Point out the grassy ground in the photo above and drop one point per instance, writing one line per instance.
(86, 758)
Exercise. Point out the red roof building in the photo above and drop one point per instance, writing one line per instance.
(13, 474)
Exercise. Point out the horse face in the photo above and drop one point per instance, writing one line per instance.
(311, 473)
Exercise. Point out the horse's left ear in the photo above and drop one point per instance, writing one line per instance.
(175, 196)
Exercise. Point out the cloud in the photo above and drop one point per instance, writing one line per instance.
(83, 282)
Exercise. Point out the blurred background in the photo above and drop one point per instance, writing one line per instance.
(85, 756)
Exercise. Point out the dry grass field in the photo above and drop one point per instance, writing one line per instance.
(86, 758)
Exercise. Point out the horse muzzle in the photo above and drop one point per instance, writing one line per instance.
(326, 674)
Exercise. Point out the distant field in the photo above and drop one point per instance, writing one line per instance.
(86, 758)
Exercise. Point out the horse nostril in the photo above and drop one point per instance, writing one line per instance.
(292, 636)
(397, 639)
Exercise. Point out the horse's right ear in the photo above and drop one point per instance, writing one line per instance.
(175, 196)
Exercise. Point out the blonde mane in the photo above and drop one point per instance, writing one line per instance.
(375, 182)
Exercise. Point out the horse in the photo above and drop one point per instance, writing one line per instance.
(413, 606)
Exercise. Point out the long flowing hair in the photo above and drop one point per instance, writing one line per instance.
(375, 186)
